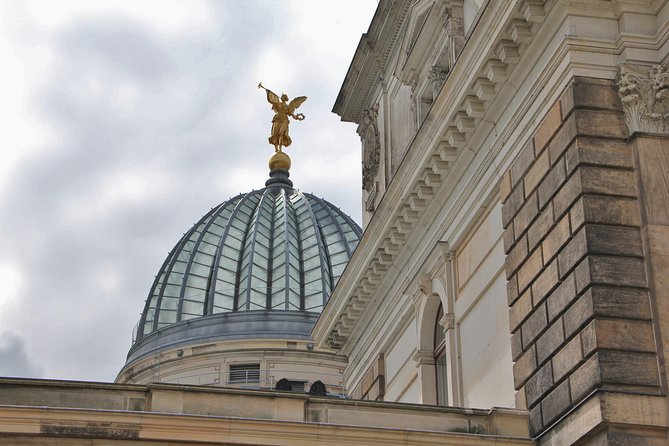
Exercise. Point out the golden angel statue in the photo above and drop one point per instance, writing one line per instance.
(282, 111)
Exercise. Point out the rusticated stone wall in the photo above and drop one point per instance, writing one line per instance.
(580, 311)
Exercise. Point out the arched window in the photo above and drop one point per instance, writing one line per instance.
(440, 359)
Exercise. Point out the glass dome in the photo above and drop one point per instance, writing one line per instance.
(274, 251)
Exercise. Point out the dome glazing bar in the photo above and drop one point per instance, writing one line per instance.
(272, 249)
(219, 251)
(254, 237)
(172, 260)
(327, 279)
(240, 263)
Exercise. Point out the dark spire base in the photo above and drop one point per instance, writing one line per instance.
(278, 178)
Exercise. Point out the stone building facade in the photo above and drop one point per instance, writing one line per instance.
(529, 201)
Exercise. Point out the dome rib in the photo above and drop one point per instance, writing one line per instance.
(240, 255)
(337, 225)
(252, 255)
(326, 272)
(286, 252)
(191, 259)
(270, 257)
(219, 252)
(270, 251)
(165, 274)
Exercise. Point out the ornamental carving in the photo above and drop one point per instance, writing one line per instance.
(644, 96)
(437, 77)
(371, 147)
(370, 203)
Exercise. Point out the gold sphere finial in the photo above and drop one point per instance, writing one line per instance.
(279, 161)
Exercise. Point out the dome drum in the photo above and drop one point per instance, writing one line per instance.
(226, 326)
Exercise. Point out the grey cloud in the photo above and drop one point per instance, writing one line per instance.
(14, 360)
(86, 282)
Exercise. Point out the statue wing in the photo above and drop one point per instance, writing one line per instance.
(272, 98)
(295, 103)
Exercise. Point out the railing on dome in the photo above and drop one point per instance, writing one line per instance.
(135, 329)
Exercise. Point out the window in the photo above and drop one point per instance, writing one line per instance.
(440, 359)
(244, 373)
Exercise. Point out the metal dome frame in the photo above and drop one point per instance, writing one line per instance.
(272, 251)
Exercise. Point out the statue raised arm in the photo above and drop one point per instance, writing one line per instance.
(282, 109)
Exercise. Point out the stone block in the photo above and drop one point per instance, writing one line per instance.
(575, 250)
(599, 152)
(516, 345)
(549, 342)
(605, 181)
(556, 403)
(563, 139)
(621, 334)
(547, 128)
(520, 309)
(567, 358)
(512, 290)
(524, 367)
(536, 422)
(526, 215)
(508, 239)
(617, 240)
(600, 123)
(505, 186)
(595, 95)
(536, 173)
(571, 190)
(561, 297)
(539, 384)
(578, 314)
(521, 401)
(631, 303)
(605, 210)
(607, 270)
(534, 325)
(589, 339)
(552, 183)
(522, 163)
(512, 205)
(545, 282)
(516, 257)
(529, 270)
(556, 239)
(567, 102)
(614, 436)
(540, 227)
(585, 379)
(628, 368)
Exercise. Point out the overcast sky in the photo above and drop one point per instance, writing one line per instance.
(121, 124)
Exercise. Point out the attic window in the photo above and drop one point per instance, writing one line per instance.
(244, 373)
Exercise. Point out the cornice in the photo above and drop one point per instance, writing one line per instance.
(370, 59)
(408, 196)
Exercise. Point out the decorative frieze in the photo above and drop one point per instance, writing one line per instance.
(437, 77)
(643, 93)
(372, 192)
(371, 148)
